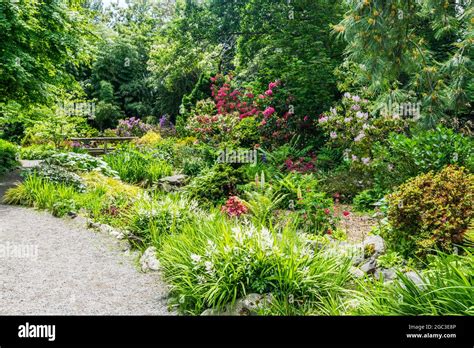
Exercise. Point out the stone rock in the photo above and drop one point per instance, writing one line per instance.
(358, 258)
(175, 180)
(377, 242)
(81, 221)
(111, 231)
(416, 279)
(211, 312)
(248, 305)
(171, 183)
(356, 272)
(245, 306)
(388, 274)
(148, 261)
(72, 214)
(92, 224)
(369, 266)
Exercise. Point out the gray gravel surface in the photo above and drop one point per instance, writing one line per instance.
(51, 266)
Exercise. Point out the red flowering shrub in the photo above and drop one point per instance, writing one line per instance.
(234, 207)
(306, 164)
(215, 120)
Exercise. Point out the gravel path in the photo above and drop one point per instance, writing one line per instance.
(51, 266)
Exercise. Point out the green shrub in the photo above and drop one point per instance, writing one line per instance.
(366, 200)
(8, 155)
(214, 263)
(60, 175)
(403, 157)
(215, 184)
(37, 152)
(431, 211)
(80, 162)
(389, 259)
(346, 181)
(301, 194)
(41, 193)
(107, 199)
(262, 205)
(193, 166)
(329, 158)
(151, 218)
(136, 167)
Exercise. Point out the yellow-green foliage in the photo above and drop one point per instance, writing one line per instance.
(432, 210)
(187, 141)
(111, 187)
(150, 139)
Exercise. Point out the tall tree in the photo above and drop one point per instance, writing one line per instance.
(410, 48)
(39, 39)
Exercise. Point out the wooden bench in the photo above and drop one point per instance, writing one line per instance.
(91, 145)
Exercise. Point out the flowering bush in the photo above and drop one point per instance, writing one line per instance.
(151, 218)
(132, 127)
(234, 207)
(349, 126)
(221, 263)
(216, 119)
(167, 128)
(305, 164)
(431, 211)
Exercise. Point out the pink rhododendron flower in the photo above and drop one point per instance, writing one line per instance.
(268, 111)
(333, 135)
(323, 119)
(346, 213)
(269, 92)
(272, 85)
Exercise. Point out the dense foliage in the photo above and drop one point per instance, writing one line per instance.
(431, 211)
(256, 144)
(8, 156)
